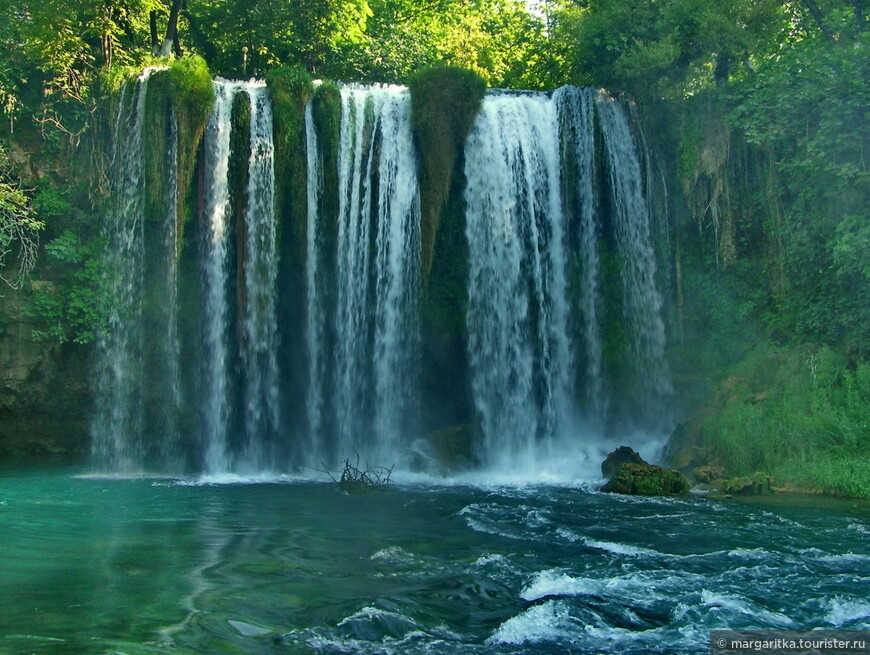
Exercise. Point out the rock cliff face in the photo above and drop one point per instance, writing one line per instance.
(43, 389)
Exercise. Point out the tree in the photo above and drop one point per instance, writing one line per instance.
(668, 48)
(19, 228)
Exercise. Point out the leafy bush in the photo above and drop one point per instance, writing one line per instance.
(74, 308)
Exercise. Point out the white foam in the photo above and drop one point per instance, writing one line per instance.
(488, 558)
(843, 610)
(622, 549)
(394, 554)
(222, 479)
(373, 614)
(845, 558)
(546, 622)
(749, 553)
(555, 583)
(723, 601)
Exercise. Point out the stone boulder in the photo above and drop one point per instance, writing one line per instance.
(615, 460)
(646, 480)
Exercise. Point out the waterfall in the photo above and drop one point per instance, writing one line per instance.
(643, 303)
(215, 409)
(256, 343)
(376, 273)
(116, 428)
(315, 311)
(170, 454)
(521, 362)
(260, 343)
(540, 379)
(575, 106)
(561, 345)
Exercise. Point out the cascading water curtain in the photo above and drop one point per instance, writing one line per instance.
(260, 344)
(116, 428)
(575, 106)
(170, 455)
(642, 301)
(376, 272)
(257, 344)
(315, 312)
(521, 362)
(215, 409)
(535, 343)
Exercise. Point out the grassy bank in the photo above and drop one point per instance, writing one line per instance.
(800, 414)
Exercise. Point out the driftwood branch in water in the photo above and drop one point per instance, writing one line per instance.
(354, 478)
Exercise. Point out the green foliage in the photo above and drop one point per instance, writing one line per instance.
(498, 39)
(444, 103)
(809, 105)
(273, 33)
(667, 48)
(798, 414)
(73, 309)
(155, 134)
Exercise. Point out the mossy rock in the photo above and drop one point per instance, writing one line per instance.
(646, 480)
(708, 473)
(444, 103)
(618, 458)
(757, 484)
(326, 115)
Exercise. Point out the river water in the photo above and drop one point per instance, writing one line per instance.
(96, 565)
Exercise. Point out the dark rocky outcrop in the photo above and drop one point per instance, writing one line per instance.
(43, 394)
(615, 460)
(628, 473)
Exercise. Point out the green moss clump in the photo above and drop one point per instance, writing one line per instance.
(192, 94)
(326, 108)
(444, 103)
(290, 89)
(154, 138)
(757, 484)
(646, 480)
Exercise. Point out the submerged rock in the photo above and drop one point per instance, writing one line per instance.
(449, 450)
(646, 480)
(615, 461)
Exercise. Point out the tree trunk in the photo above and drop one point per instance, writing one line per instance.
(816, 13)
(155, 37)
(720, 72)
(171, 29)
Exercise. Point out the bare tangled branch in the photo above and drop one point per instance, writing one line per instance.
(353, 478)
(19, 229)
